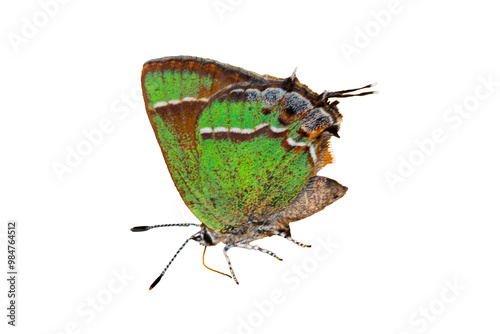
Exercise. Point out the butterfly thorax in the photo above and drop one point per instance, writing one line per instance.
(243, 233)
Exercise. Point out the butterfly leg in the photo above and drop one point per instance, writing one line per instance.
(226, 248)
(255, 247)
(286, 236)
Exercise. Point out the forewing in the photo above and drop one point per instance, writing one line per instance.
(175, 89)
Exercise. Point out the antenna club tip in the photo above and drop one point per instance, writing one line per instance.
(155, 282)
(373, 84)
(140, 228)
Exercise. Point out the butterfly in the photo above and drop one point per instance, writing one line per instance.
(243, 149)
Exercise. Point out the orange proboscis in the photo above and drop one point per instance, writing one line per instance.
(203, 260)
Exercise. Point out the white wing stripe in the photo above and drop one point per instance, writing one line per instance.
(292, 142)
(244, 131)
(186, 99)
(312, 152)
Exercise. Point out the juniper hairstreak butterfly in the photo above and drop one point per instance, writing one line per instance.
(243, 149)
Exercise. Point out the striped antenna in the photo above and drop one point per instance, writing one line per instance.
(147, 228)
(172, 260)
(342, 93)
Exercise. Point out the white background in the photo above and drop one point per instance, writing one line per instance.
(399, 246)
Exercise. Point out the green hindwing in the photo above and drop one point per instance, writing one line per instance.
(251, 165)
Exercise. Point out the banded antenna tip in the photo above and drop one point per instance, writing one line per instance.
(155, 282)
(140, 228)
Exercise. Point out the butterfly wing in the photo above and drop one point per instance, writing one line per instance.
(175, 90)
(258, 146)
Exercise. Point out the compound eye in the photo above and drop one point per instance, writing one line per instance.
(207, 238)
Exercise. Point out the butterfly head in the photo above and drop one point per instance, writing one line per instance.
(206, 237)
(331, 109)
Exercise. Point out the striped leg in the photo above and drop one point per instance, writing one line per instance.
(287, 237)
(244, 244)
(226, 248)
(255, 247)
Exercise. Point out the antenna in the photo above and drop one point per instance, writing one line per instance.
(172, 260)
(147, 228)
(342, 93)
